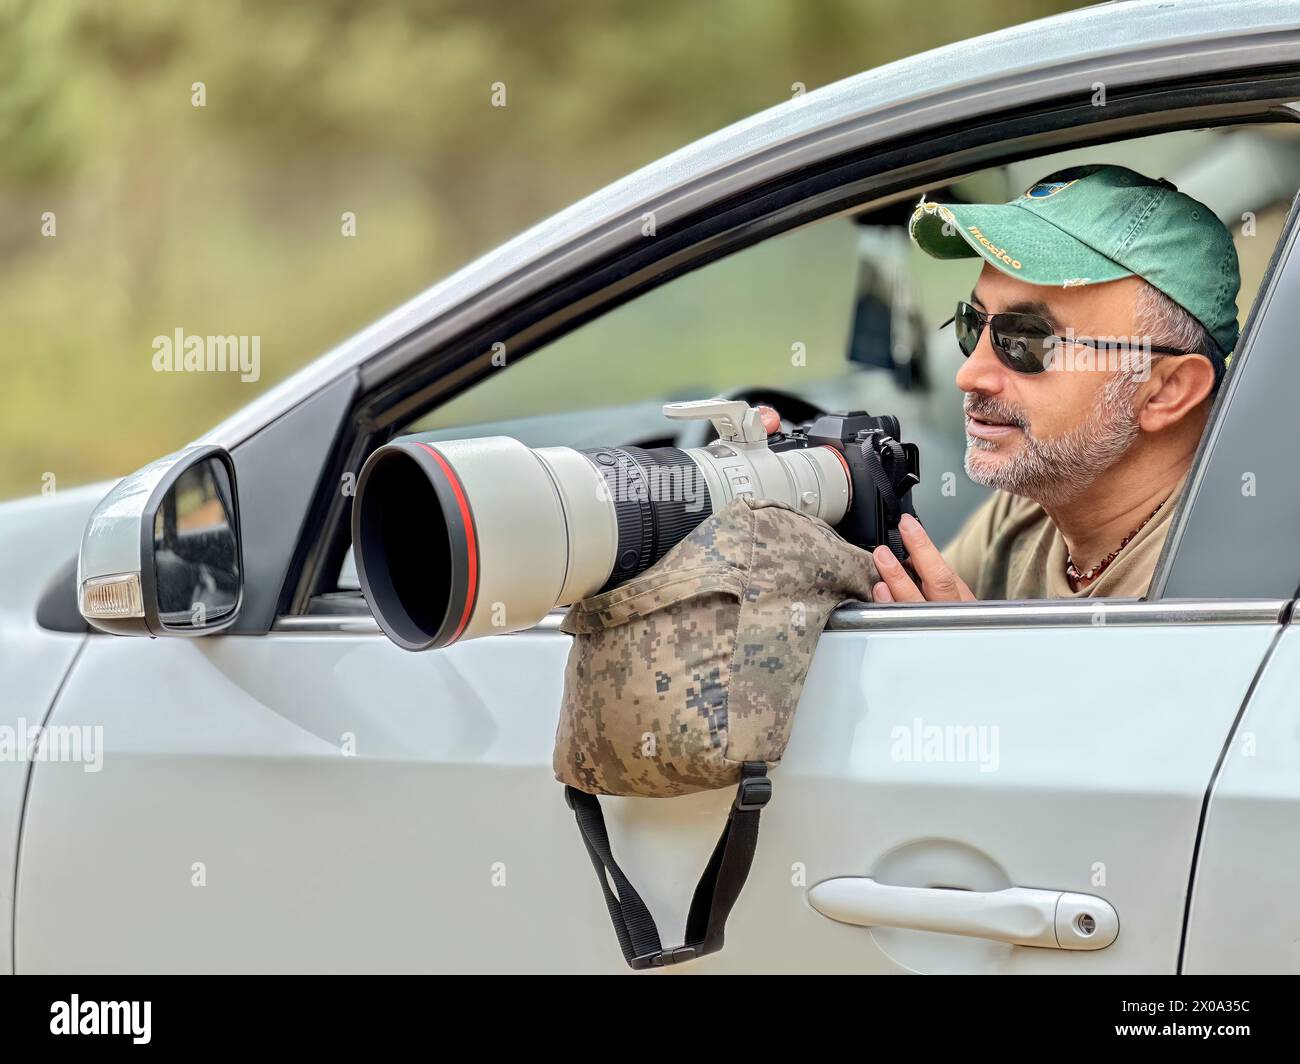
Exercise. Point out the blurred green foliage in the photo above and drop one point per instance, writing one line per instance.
(225, 219)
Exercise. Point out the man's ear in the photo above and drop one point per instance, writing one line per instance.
(1178, 385)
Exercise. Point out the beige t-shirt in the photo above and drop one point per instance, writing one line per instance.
(1009, 549)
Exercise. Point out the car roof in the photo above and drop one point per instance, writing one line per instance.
(1034, 60)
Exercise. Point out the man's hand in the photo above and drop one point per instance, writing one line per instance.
(938, 582)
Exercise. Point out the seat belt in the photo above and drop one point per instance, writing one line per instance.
(715, 894)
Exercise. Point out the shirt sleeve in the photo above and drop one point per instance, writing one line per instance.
(966, 552)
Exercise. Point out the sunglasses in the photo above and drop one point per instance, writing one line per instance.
(1024, 343)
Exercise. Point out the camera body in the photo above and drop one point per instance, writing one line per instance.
(882, 471)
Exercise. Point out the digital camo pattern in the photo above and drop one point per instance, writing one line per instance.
(696, 665)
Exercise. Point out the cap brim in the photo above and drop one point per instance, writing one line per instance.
(1016, 241)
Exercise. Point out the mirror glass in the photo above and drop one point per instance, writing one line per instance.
(196, 553)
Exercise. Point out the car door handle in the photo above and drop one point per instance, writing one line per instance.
(1053, 919)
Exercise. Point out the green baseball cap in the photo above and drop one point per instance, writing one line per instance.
(1089, 224)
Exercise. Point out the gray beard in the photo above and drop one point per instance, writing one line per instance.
(1055, 472)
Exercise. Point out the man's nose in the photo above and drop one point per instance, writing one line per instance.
(981, 371)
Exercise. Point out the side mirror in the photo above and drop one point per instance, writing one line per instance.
(161, 554)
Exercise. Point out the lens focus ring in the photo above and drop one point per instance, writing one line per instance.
(659, 496)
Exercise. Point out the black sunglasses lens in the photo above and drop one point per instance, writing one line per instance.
(1023, 341)
(967, 325)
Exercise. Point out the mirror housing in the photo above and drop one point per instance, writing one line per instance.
(161, 553)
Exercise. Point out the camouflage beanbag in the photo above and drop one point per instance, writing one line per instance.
(685, 672)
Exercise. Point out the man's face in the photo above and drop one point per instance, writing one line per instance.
(1048, 436)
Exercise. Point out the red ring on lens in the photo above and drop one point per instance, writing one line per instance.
(471, 545)
(848, 477)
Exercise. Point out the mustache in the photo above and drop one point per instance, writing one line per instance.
(987, 408)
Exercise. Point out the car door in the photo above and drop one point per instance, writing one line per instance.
(1241, 919)
(309, 797)
(317, 799)
(309, 802)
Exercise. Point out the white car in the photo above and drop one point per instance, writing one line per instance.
(274, 786)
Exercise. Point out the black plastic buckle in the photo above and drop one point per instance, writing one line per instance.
(754, 793)
(665, 957)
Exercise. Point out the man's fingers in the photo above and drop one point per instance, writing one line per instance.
(923, 553)
(938, 581)
(897, 582)
(771, 419)
(880, 593)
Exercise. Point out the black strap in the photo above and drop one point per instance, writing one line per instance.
(885, 489)
(715, 894)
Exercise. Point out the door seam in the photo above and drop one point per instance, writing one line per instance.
(22, 812)
(1214, 780)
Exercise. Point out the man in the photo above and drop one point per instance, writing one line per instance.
(1095, 338)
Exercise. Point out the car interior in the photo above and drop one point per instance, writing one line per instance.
(841, 313)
